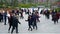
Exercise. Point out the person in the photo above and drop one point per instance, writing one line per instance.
(15, 24)
(29, 22)
(57, 15)
(21, 14)
(5, 17)
(41, 12)
(17, 12)
(53, 13)
(34, 18)
(54, 18)
(0, 17)
(10, 18)
(28, 12)
(47, 14)
(25, 11)
(13, 11)
(37, 14)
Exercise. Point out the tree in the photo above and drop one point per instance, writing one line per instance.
(58, 3)
(27, 1)
(3, 3)
(30, 1)
(58, 0)
(23, 1)
(47, 2)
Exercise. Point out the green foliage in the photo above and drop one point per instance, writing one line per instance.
(27, 5)
(0, 6)
(58, 9)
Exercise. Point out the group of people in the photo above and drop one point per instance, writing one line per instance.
(11, 16)
(46, 13)
(33, 18)
(54, 14)
(13, 22)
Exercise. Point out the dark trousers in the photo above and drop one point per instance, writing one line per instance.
(35, 25)
(0, 19)
(9, 27)
(29, 26)
(47, 16)
(5, 20)
(55, 21)
(14, 28)
(21, 16)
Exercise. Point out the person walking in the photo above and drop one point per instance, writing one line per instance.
(15, 24)
(34, 18)
(29, 22)
(10, 18)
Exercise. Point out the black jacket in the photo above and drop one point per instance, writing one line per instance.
(10, 20)
(15, 22)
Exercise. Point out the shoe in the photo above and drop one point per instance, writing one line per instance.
(36, 28)
(4, 24)
(28, 29)
(31, 29)
(54, 23)
(17, 32)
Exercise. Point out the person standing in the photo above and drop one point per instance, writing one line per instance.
(0, 16)
(5, 17)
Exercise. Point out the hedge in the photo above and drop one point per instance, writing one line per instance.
(58, 9)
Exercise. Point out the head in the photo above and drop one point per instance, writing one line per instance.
(29, 16)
